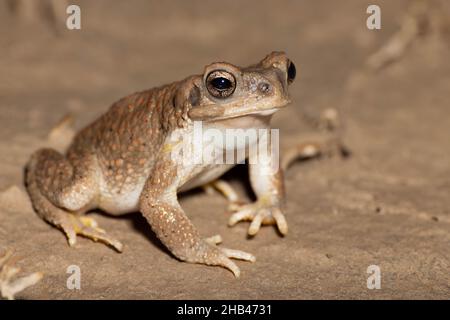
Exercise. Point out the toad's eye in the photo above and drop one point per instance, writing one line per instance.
(220, 84)
(291, 72)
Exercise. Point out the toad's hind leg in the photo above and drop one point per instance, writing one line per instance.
(59, 188)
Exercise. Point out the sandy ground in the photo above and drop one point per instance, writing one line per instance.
(387, 205)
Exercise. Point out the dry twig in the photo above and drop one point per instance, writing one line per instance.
(8, 271)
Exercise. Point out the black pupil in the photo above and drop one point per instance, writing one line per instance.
(291, 72)
(221, 83)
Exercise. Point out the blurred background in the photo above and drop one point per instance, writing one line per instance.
(388, 204)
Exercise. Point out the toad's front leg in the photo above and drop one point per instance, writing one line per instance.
(159, 205)
(266, 178)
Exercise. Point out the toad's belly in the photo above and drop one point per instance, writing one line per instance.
(117, 202)
(207, 175)
(126, 199)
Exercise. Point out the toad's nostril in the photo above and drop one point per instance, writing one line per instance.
(264, 87)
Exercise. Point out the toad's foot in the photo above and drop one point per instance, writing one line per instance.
(85, 226)
(213, 255)
(224, 188)
(259, 213)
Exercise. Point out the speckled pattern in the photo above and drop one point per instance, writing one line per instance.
(120, 163)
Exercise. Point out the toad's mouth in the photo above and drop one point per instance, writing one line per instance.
(214, 112)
